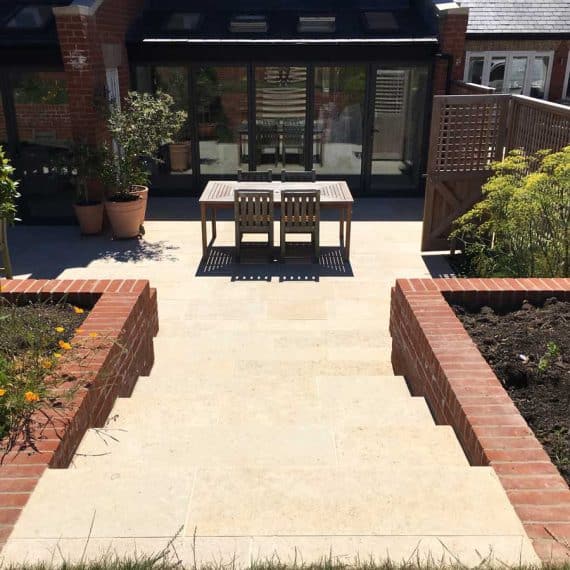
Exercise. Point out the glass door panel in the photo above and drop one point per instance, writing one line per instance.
(280, 108)
(497, 73)
(337, 126)
(517, 74)
(397, 122)
(538, 74)
(221, 106)
(176, 157)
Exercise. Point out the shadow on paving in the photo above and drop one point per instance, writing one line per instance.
(257, 265)
(364, 210)
(45, 252)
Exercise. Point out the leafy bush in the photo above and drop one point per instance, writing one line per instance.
(8, 189)
(521, 227)
(140, 127)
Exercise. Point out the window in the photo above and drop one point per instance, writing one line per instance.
(566, 88)
(523, 73)
(183, 21)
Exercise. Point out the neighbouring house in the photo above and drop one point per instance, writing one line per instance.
(519, 46)
(345, 87)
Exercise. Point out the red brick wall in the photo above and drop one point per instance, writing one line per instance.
(81, 38)
(40, 117)
(124, 315)
(452, 28)
(434, 352)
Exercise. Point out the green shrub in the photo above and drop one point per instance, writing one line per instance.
(8, 189)
(521, 227)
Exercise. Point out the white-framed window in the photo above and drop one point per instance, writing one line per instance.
(515, 72)
(566, 84)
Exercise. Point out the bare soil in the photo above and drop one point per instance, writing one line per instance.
(529, 350)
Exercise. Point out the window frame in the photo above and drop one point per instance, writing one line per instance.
(565, 86)
(509, 55)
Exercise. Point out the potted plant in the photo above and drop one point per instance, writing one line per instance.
(139, 128)
(84, 165)
(179, 151)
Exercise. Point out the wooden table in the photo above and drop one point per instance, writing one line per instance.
(220, 194)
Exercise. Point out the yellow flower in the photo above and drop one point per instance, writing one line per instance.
(31, 397)
(78, 331)
(78, 310)
(47, 363)
(59, 329)
(64, 345)
(93, 334)
(56, 355)
(2, 391)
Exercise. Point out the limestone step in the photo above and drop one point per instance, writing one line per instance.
(256, 444)
(464, 501)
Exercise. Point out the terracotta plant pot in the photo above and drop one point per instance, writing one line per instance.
(125, 217)
(90, 217)
(141, 191)
(179, 156)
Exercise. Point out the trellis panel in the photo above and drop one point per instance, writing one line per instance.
(469, 133)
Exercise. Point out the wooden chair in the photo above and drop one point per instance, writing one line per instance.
(253, 176)
(6, 266)
(267, 143)
(293, 142)
(253, 213)
(304, 176)
(301, 214)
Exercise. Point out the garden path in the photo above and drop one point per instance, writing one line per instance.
(271, 424)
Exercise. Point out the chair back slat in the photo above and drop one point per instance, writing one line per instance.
(253, 210)
(301, 209)
(255, 176)
(303, 176)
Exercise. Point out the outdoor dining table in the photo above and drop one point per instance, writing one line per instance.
(219, 194)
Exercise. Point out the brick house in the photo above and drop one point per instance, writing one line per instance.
(345, 89)
(519, 47)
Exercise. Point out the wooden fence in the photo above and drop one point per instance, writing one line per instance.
(468, 133)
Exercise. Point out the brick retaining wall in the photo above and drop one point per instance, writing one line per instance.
(125, 317)
(440, 362)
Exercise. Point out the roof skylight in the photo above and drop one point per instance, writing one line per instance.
(30, 18)
(180, 21)
(249, 24)
(316, 24)
(381, 21)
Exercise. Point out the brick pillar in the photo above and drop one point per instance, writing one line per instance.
(561, 56)
(452, 30)
(83, 63)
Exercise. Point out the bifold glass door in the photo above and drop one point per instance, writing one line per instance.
(359, 122)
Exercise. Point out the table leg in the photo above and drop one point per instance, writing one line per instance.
(214, 233)
(204, 230)
(348, 228)
(341, 227)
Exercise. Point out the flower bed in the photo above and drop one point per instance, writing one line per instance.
(529, 351)
(112, 349)
(434, 352)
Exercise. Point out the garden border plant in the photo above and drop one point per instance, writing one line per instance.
(521, 227)
(123, 314)
(434, 352)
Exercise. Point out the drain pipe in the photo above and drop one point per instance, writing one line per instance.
(448, 57)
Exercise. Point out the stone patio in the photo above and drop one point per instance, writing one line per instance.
(272, 423)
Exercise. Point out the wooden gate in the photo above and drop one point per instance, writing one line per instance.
(468, 133)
